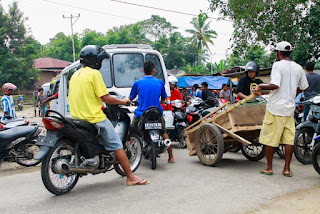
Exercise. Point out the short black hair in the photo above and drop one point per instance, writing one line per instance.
(148, 67)
(309, 66)
(195, 86)
(223, 85)
(204, 84)
(286, 53)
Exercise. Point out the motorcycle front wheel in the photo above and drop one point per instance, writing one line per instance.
(26, 153)
(316, 158)
(55, 183)
(182, 139)
(133, 149)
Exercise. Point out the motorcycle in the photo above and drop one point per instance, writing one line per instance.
(18, 144)
(306, 132)
(180, 123)
(316, 154)
(8, 124)
(149, 130)
(70, 143)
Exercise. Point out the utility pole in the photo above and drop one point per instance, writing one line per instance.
(72, 23)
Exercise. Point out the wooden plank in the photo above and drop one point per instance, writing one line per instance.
(205, 117)
(233, 135)
(246, 128)
(230, 108)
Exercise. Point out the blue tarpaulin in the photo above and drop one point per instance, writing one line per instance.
(214, 82)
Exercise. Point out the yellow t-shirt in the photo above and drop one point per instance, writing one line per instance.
(85, 89)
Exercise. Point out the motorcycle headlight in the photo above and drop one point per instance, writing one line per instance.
(154, 135)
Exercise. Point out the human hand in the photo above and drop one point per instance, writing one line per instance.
(126, 101)
(257, 90)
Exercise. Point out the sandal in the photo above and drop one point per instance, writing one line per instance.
(286, 174)
(265, 173)
(140, 182)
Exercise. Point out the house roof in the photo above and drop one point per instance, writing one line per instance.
(48, 62)
(239, 72)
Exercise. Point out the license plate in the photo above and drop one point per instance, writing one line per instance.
(301, 115)
(181, 124)
(149, 126)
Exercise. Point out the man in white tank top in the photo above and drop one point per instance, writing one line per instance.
(278, 125)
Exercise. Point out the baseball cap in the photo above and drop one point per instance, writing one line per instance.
(283, 46)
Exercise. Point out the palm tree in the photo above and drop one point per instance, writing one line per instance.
(202, 35)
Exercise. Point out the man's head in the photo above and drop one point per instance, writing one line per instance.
(195, 87)
(149, 68)
(309, 66)
(8, 88)
(283, 50)
(41, 90)
(252, 69)
(92, 56)
(204, 86)
(225, 87)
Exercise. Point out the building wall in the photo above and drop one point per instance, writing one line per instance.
(44, 77)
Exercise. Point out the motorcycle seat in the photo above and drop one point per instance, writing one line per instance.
(5, 122)
(82, 124)
(17, 132)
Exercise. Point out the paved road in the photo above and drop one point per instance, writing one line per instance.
(235, 186)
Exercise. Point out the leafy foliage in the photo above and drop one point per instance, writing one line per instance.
(17, 49)
(271, 21)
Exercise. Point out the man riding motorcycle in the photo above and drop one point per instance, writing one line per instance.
(7, 102)
(87, 91)
(149, 90)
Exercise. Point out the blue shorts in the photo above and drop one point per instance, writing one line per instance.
(109, 136)
(44, 109)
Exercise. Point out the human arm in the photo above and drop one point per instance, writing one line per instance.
(268, 86)
(47, 100)
(108, 99)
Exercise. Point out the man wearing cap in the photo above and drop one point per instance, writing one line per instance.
(278, 125)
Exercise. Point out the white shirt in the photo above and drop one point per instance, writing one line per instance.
(288, 75)
(8, 106)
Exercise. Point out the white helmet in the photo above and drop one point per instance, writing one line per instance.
(173, 79)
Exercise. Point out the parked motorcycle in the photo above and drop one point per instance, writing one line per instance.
(306, 132)
(180, 123)
(70, 143)
(316, 154)
(149, 130)
(8, 124)
(17, 144)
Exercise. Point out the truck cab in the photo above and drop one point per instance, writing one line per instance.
(119, 72)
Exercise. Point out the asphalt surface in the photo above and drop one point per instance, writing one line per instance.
(234, 186)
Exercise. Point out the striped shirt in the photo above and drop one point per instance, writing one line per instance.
(7, 104)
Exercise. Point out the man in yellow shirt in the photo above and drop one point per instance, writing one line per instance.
(87, 91)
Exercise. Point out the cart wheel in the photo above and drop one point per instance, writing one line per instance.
(209, 144)
(254, 152)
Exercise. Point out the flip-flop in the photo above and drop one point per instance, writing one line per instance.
(171, 161)
(265, 173)
(141, 182)
(287, 175)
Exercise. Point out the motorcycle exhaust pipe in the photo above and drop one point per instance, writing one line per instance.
(167, 142)
(67, 169)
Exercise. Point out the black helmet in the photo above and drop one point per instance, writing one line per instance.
(252, 66)
(92, 56)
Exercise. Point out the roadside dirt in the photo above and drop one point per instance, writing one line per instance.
(305, 202)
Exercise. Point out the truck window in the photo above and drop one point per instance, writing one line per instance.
(155, 59)
(69, 75)
(105, 71)
(128, 68)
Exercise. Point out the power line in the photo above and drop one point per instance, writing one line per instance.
(166, 10)
(109, 14)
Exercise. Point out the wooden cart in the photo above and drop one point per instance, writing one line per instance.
(235, 124)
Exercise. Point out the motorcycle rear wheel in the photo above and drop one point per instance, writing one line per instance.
(29, 150)
(153, 156)
(316, 158)
(302, 141)
(56, 183)
(134, 153)
(182, 139)
(281, 151)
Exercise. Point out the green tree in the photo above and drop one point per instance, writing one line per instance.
(17, 50)
(91, 37)
(270, 21)
(60, 47)
(202, 35)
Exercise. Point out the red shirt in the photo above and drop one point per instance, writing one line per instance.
(175, 95)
